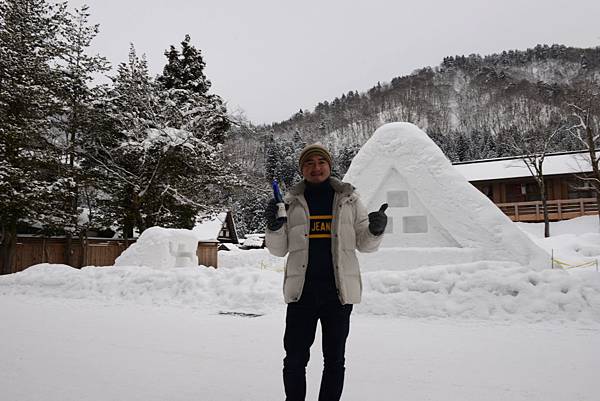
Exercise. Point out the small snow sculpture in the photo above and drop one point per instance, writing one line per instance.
(183, 256)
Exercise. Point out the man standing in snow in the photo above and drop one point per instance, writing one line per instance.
(326, 224)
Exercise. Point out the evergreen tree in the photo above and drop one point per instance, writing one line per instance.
(31, 176)
(189, 106)
(461, 146)
(122, 154)
(249, 207)
(186, 87)
(272, 158)
(159, 154)
(344, 159)
(77, 96)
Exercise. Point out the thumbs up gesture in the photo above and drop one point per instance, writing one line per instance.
(378, 220)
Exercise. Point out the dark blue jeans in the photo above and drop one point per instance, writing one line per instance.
(300, 330)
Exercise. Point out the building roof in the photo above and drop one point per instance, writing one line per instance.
(219, 228)
(209, 229)
(514, 167)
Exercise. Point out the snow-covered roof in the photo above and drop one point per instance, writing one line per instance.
(208, 230)
(514, 167)
(254, 241)
(260, 235)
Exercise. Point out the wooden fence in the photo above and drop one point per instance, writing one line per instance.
(92, 252)
(557, 209)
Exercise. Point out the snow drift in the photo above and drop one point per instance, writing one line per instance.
(478, 290)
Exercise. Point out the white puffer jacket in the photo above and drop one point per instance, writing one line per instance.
(349, 232)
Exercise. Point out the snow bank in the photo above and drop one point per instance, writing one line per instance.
(484, 290)
(250, 259)
(576, 226)
(250, 281)
(478, 290)
(573, 242)
(245, 290)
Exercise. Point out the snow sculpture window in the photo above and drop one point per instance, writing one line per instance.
(414, 224)
(397, 198)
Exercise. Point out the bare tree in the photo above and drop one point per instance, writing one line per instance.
(584, 126)
(533, 146)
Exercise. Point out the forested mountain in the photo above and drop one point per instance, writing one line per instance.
(473, 107)
(467, 104)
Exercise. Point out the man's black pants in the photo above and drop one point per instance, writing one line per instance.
(300, 330)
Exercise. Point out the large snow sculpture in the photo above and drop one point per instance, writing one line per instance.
(435, 215)
(162, 248)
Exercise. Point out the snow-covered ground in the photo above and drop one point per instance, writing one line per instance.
(65, 349)
(574, 242)
(484, 330)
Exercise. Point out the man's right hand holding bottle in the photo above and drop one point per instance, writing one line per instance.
(273, 223)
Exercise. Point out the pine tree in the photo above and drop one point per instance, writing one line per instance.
(159, 155)
(190, 107)
(118, 154)
(31, 176)
(344, 159)
(249, 207)
(273, 158)
(77, 96)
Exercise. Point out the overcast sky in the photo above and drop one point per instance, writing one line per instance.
(270, 58)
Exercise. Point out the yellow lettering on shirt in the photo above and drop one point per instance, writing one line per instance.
(320, 226)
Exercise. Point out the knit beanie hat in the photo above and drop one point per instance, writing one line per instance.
(314, 149)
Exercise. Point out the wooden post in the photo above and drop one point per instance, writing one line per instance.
(44, 255)
(516, 212)
(559, 205)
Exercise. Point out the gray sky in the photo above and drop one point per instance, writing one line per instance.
(272, 57)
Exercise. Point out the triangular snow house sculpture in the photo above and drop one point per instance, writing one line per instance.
(435, 215)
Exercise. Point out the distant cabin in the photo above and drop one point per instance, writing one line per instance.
(509, 184)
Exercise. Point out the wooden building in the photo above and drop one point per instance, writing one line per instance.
(228, 233)
(510, 185)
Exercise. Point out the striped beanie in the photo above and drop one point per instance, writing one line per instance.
(314, 149)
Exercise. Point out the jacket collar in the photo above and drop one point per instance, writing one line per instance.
(341, 188)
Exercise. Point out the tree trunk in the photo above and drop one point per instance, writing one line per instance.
(594, 162)
(598, 206)
(82, 244)
(8, 248)
(542, 187)
(69, 249)
(128, 229)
